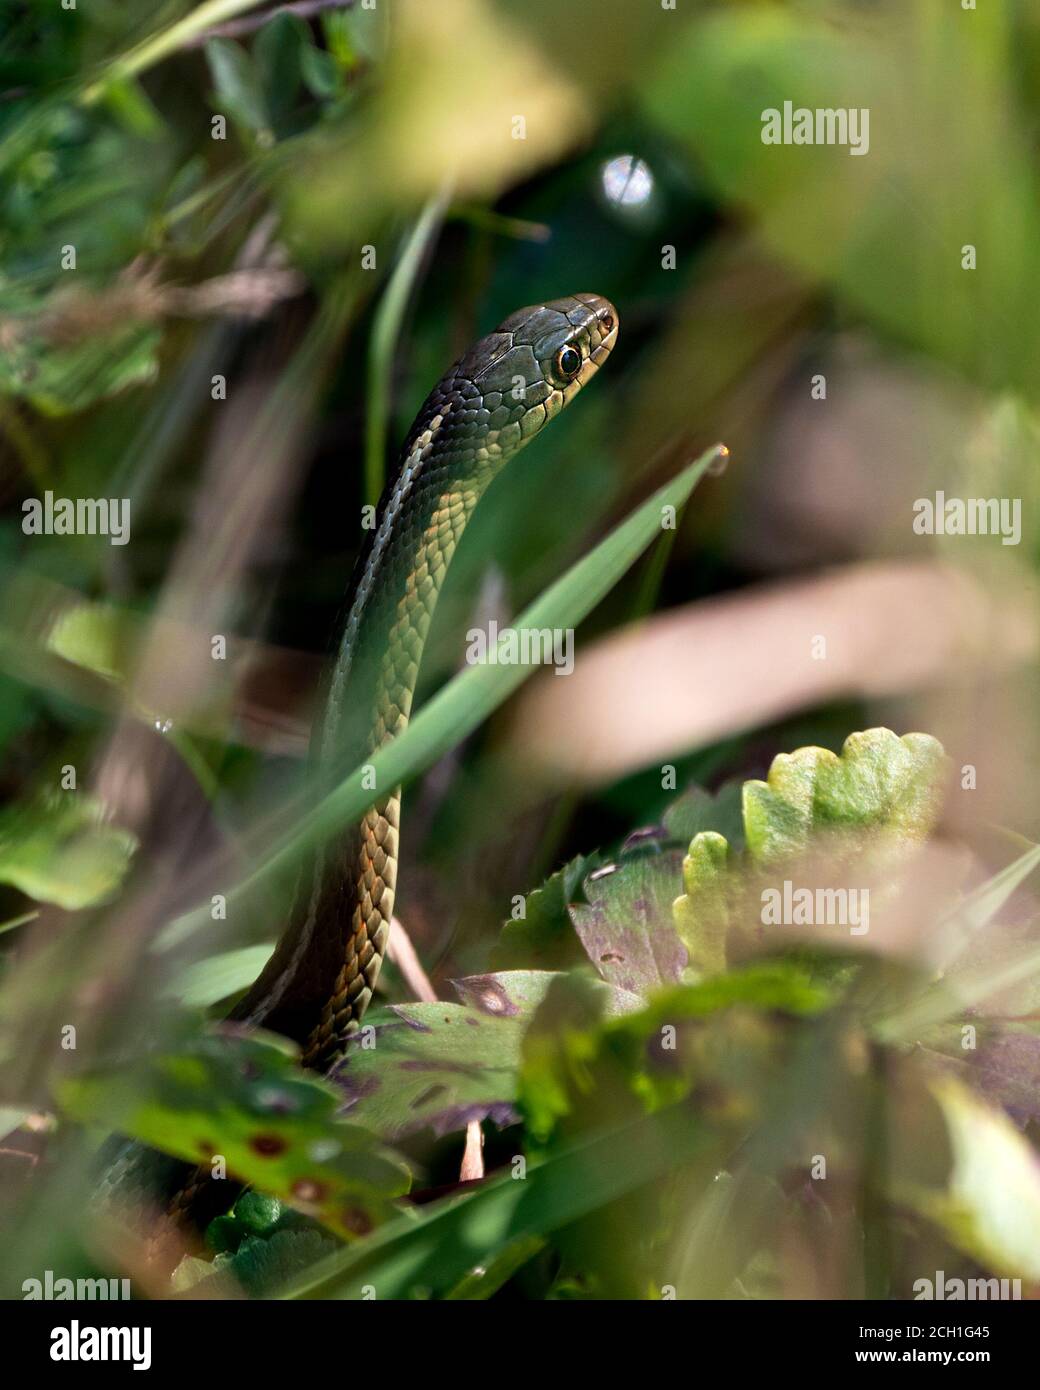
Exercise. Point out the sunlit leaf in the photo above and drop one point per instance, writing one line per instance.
(879, 783)
(442, 1066)
(991, 1209)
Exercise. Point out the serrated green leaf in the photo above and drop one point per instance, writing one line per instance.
(880, 782)
(882, 794)
(702, 911)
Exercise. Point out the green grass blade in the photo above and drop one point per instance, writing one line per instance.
(166, 41)
(385, 334)
(433, 1251)
(469, 698)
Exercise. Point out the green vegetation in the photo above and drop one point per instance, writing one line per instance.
(735, 974)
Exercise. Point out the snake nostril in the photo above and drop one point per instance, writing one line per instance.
(607, 320)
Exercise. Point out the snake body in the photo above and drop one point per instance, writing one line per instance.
(318, 982)
(485, 409)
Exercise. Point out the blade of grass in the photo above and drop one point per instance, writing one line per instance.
(19, 921)
(466, 701)
(166, 41)
(386, 331)
(957, 990)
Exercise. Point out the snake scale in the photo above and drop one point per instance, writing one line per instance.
(318, 982)
(483, 411)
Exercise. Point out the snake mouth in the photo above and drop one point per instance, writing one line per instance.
(602, 328)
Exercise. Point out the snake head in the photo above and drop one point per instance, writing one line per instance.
(569, 338)
(534, 363)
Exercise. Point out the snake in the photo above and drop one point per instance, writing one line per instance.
(320, 978)
(488, 406)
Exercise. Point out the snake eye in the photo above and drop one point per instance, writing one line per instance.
(568, 362)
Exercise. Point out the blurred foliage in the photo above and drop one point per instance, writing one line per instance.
(275, 1125)
(237, 247)
(60, 851)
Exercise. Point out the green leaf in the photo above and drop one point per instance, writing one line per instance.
(702, 911)
(259, 1266)
(440, 1066)
(883, 794)
(129, 103)
(277, 56)
(698, 810)
(544, 937)
(94, 636)
(880, 782)
(64, 380)
(991, 1209)
(237, 86)
(320, 72)
(486, 1279)
(246, 1098)
(206, 982)
(60, 850)
(575, 1054)
(627, 928)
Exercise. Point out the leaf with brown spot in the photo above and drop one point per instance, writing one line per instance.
(627, 927)
(246, 1097)
(441, 1066)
